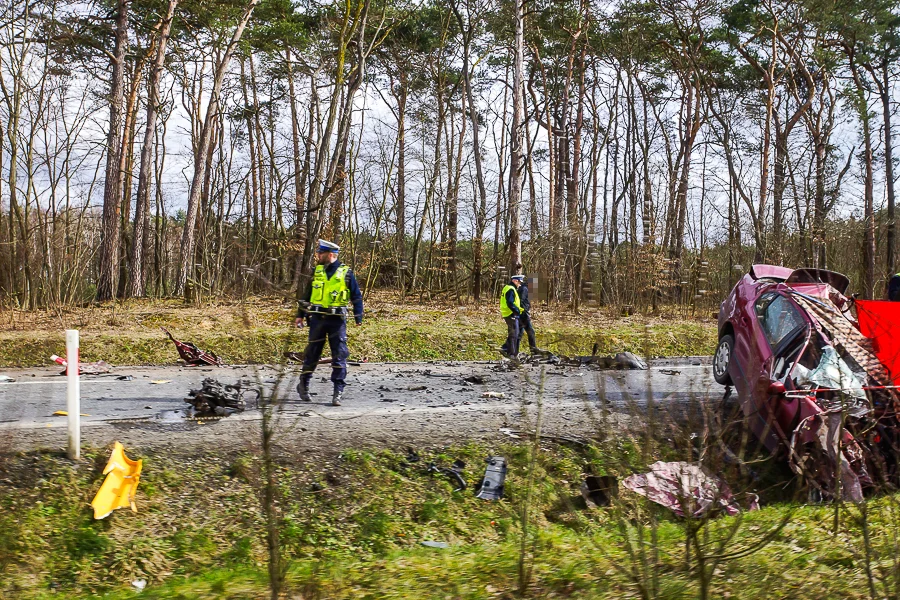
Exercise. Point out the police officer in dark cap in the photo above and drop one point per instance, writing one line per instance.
(324, 308)
(525, 326)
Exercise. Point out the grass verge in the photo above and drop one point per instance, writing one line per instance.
(354, 526)
(256, 331)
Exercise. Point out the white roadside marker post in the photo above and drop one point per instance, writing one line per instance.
(73, 394)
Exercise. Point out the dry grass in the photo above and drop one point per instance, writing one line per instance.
(258, 329)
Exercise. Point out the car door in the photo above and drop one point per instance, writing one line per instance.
(745, 363)
(779, 320)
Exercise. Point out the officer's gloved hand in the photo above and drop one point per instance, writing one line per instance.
(359, 323)
(299, 322)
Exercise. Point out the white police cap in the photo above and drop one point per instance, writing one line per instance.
(326, 246)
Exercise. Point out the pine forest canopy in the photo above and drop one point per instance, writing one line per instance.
(630, 153)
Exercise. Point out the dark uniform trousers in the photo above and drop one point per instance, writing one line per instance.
(526, 327)
(334, 329)
(512, 335)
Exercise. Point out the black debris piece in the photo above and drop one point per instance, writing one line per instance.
(216, 398)
(598, 490)
(477, 379)
(454, 473)
(491, 487)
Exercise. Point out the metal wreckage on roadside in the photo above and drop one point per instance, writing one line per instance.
(192, 355)
(622, 360)
(220, 399)
(816, 375)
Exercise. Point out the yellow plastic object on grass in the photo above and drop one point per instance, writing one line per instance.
(120, 485)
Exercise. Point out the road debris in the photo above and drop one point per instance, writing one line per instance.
(670, 371)
(432, 544)
(491, 487)
(454, 473)
(428, 373)
(299, 357)
(216, 398)
(622, 360)
(682, 486)
(6, 378)
(509, 432)
(160, 381)
(139, 584)
(493, 395)
(192, 355)
(598, 490)
(476, 379)
(84, 368)
(119, 487)
(64, 413)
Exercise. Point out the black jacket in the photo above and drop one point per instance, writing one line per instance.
(523, 298)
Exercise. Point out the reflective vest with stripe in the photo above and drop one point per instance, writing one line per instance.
(330, 293)
(505, 310)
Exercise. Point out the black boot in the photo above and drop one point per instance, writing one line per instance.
(303, 390)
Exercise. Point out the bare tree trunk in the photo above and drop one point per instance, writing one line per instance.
(126, 168)
(516, 138)
(868, 195)
(400, 203)
(882, 78)
(299, 192)
(481, 205)
(187, 236)
(432, 185)
(137, 281)
(888, 166)
(112, 192)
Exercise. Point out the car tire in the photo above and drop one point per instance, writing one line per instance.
(722, 360)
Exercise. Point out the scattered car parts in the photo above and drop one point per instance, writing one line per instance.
(192, 355)
(92, 368)
(491, 487)
(621, 360)
(598, 490)
(216, 398)
(685, 489)
(454, 472)
(119, 488)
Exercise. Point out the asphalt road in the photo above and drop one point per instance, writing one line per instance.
(382, 400)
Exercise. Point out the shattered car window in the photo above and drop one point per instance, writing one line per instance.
(778, 317)
(784, 359)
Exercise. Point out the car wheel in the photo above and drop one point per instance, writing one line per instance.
(722, 360)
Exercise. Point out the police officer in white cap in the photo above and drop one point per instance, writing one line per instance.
(324, 308)
(511, 310)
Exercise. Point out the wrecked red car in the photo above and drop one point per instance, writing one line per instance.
(812, 384)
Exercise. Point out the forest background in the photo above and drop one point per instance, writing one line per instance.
(628, 153)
